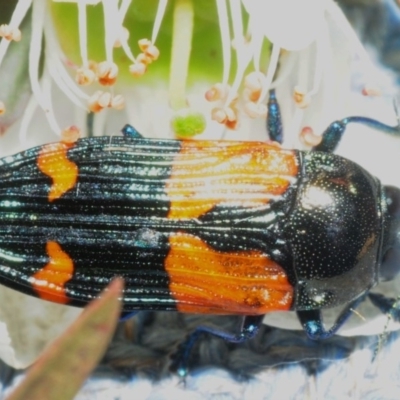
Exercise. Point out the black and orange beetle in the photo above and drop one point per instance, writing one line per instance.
(209, 227)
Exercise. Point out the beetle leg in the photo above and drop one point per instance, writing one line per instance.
(333, 134)
(130, 132)
(180, 358)
(314, 326)
(89, 124)
(274, 120)
(387, 305)
(127, 315)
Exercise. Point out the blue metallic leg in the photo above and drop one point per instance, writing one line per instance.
(333, 134)
(127, 315)
(387, 305)
(89, 124)
(314, 326)
(130, 132)
(180, 358)
(274, 120)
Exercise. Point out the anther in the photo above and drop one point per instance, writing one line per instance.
(9, 33)
(123, 37)
(99, 100)
(371, 91)
(70, 135)
(137, 69)
(84, 76)
(309, 138)
(218, 91)
(255, 110)
(117, 102)
(301, 97)
(107, 73)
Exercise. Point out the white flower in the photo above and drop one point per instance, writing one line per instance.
(312, 49)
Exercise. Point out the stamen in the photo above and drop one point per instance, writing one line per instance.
(57, 69)
(124, 9)
(181, 47)
(19, 13)
(243, 53)
(64, 75)
(294, 126)
(309, 138)
(323, 45)
(256, 41)
(101, 100)
(226, 115)
(254, 81)
(152, 52)
(35, 51)
(2, 108)
(301, 97)
(139, 66)
(117, 102)
(225, 39)
(219, 91)
(84, 76)
(93, 66)
(70, 135)
(149, 50)
(9, 33)
(144, 59)
(219, 115)
(285, 70)
(123, 36)
(107, 73)
(112, 26)
(162, 5)
(49, 112)
(82, 26)
(58, 79)
(272, 66)
(331, 108)
(371, 91)
(27, 118)
(137, 69)
(255, 110)
(253, 84)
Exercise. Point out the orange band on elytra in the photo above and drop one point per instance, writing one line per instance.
(206, 173)
(204, 280)
(49, 282)
(53, 162)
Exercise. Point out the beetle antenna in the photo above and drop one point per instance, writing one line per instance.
(396, 110)
(333, 134)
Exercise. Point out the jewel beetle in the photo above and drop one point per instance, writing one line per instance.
(215, 227)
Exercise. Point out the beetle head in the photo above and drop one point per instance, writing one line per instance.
(390, 266)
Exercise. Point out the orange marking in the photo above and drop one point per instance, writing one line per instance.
(203, 280)
(53, 162)
(245, 174)
(49, 282)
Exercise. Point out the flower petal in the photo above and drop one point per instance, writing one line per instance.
(290, 24)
